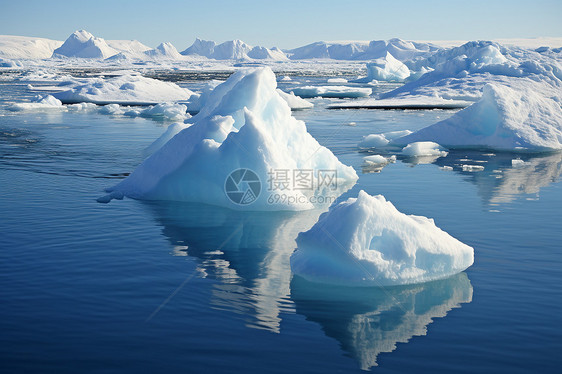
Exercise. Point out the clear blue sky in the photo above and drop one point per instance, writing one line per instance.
(283, 23)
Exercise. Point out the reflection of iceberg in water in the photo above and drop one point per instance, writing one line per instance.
(248, 252)
(501, 181)
(370, 321)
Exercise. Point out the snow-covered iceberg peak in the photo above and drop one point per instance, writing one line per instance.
(387, 69)
(84, 45)
(164, 50)
(503, 119)
(244, 150)
(366, 241)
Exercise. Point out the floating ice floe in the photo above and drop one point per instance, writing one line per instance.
(125, 90)
(340, 92)
(419, 149)
(336, 80)
(375, 163)
(380, 140)
(244, 133)
(467, 167)
(366, 241)
(47, 102)
(171, 111)
(504, 119)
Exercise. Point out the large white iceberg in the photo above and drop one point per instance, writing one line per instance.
(126, 89)
(233, 151)
(83, 44)
(366, 241)
(504, 119)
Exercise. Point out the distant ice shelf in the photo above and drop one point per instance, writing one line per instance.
(413, 103)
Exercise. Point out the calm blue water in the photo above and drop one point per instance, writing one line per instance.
(135, 287)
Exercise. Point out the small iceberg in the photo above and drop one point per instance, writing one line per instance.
(420, 149)
(381, 140)
(366, 241)
(38, 103)
(386, 69)
(244, 150)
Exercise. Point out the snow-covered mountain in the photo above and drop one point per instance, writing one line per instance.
(232, 50)
(402, 50)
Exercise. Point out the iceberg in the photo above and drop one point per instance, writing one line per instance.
(381, 140)
(419, 149)
(168, 111)
(262, 53)
(164, 51)
(366, 241)
(460, 73)
(339, 92)
(39, 103)
(386, 69)
(503, 119)
(400, 49)
(375, 163)
(198, 100)
(232, 50)
(126, 89)
(233, 151)
(84, 45)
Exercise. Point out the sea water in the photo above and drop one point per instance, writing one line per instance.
(135, 286)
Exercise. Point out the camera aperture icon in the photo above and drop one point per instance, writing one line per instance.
(242, 186)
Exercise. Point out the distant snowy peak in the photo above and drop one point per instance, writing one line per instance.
(232, 50)
(130, 47)
(84, 45)
(262, 53)
(402, 50)
(200, 47)
(164, 50)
